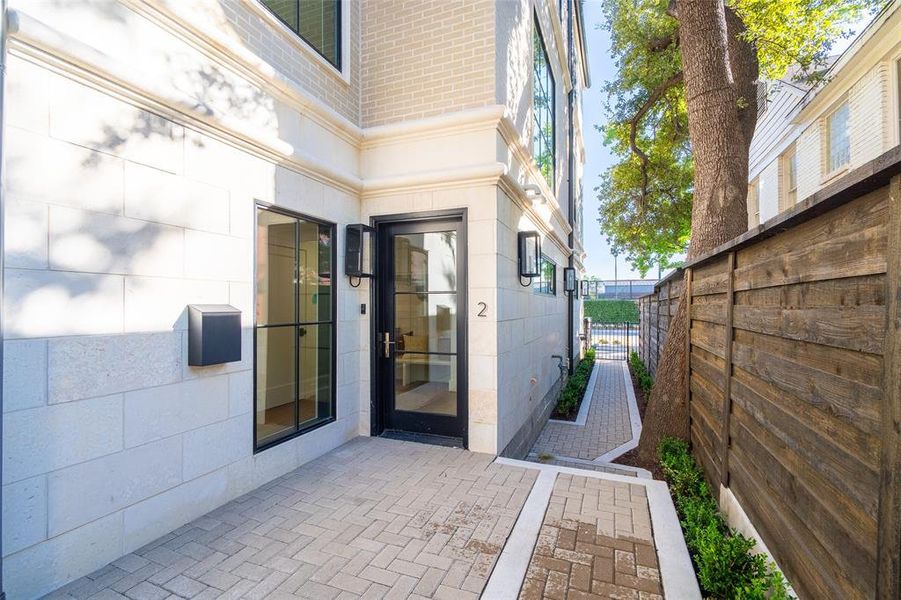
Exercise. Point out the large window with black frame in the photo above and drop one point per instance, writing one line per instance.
(294, 334)
(543, 107)
(317, 22)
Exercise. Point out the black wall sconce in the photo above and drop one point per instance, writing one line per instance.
(569, 280)
(529, 256)
(584, 285)
(359, 252)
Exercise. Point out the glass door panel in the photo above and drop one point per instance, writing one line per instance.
(419, 371)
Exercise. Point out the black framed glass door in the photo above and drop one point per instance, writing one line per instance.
(421, 328)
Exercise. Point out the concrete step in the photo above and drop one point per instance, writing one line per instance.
(589, 465)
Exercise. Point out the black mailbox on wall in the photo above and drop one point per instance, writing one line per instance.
(214, 334)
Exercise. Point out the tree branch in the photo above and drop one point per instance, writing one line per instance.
(660, 44)
(635, 121)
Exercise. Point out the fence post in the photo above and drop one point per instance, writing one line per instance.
(727, 371)
(657, 335)
(686, 295)
(888, 545)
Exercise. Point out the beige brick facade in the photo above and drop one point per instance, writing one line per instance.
(425, 58)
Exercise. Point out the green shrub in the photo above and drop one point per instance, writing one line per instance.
(722, 557)
(611, 311)
(572, 393)
(645, 381)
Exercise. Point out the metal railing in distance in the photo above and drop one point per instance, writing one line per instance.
(613, 341)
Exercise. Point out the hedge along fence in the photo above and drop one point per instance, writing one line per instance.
(795, 380)
(611, 311)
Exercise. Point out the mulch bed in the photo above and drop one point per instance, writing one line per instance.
(631, 457)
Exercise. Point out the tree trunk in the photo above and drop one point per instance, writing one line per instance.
(720, 72)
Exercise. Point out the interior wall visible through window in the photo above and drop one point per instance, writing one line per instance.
(294, 358)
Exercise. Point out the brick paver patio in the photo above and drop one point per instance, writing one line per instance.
(375, 518)
(380, 518)
(595, 542)
(606, 427)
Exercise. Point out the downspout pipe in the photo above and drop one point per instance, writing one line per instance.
(571, 101)
(4, 24)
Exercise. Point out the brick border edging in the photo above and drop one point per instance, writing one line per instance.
(677, 574)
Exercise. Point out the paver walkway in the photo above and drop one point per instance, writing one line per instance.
(375, 518)
(606, 427)
(380, 518)
(595, 542)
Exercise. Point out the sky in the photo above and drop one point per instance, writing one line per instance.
(600, 263)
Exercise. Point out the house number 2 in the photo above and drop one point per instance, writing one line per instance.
(482, 308)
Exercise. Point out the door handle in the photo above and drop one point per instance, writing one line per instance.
(386, 345)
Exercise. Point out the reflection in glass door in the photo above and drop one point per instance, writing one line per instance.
(294, 333)
(421, 328)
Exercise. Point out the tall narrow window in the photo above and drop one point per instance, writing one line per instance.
(295, 325)
(543, 108)
(838, 143)
(754, 203)
(789, 179)
(317, 22)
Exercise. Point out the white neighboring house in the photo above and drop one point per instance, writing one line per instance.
(164, 153)
(806, 138)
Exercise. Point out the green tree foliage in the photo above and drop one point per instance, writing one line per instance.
(645, 197)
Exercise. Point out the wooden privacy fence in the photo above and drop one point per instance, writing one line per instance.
(795, 380)
(655, 311)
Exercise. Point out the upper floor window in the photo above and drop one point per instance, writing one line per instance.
(317, 22)
(547, 280)
(754, 203)
(790, 178)
(543, 131)
(838, 142)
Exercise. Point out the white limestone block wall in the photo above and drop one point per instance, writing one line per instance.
(117, 219)
(531, 327)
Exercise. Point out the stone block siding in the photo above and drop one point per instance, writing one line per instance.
(595, 543)
(425, 57)
(118, 218)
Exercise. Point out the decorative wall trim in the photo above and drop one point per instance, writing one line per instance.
(34, 40)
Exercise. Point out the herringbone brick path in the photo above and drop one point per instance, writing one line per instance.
(373, 519)
(595, 543)
(606, 426)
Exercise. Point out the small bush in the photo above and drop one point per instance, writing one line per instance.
(722, 557)
(645, 381)
(611, 311)
(568, 403)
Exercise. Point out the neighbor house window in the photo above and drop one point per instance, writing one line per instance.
(542, 108)
(547, 280)
(294, 359)
(317, 22)
(762, 98)
(790, 179)
(838, 143)
(754, 203)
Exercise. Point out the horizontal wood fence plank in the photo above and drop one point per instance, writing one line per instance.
(855, 403)
(852, 327)
(853, 479)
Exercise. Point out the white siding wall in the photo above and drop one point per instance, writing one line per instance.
(769, 191)
(869, 107)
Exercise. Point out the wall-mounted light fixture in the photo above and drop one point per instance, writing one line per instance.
(359, 252)
(584, 285)
(533, 191)
(569, 280)
(529, 256)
